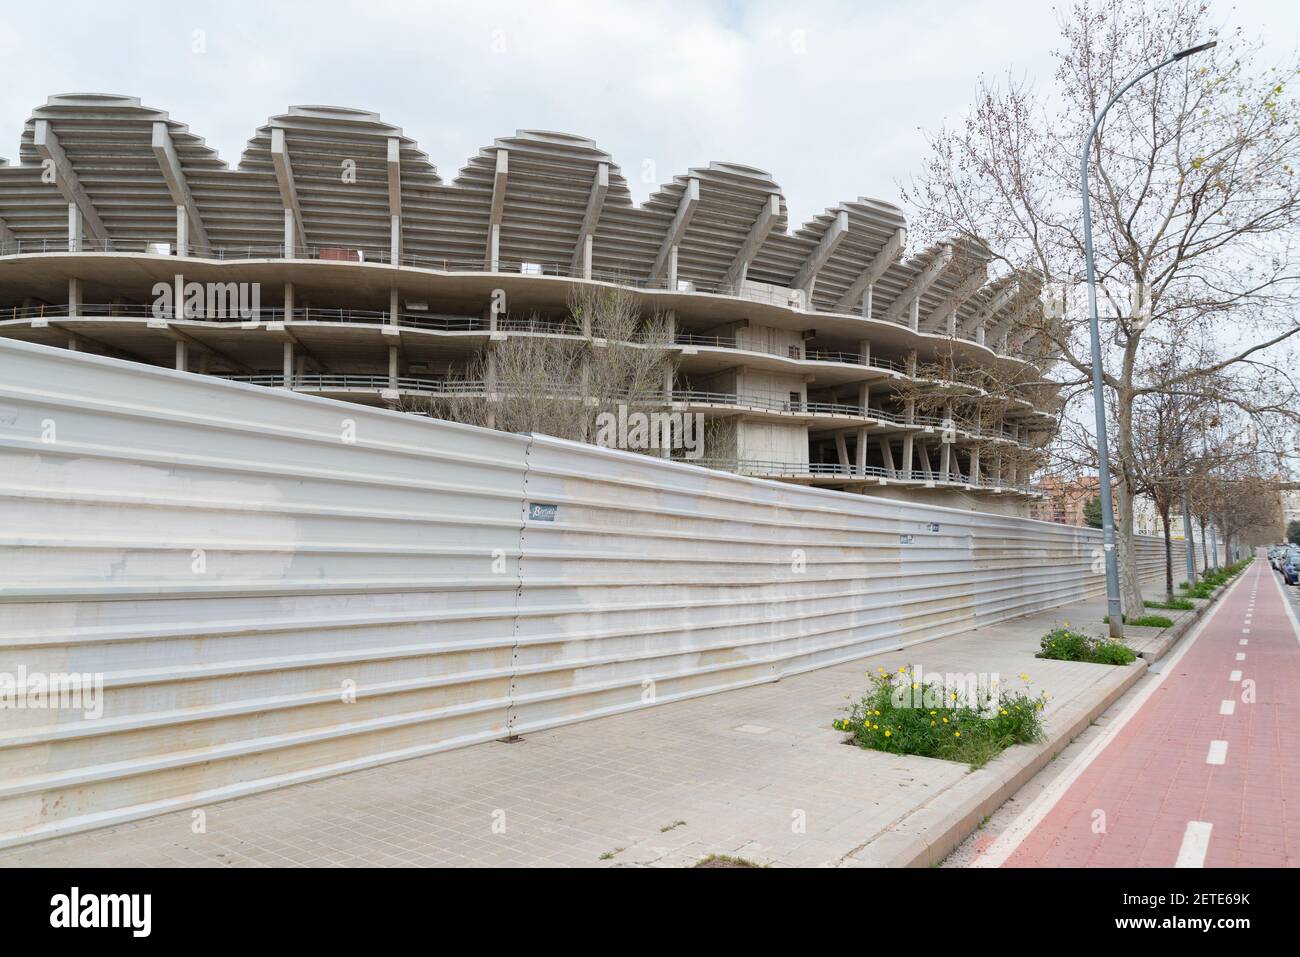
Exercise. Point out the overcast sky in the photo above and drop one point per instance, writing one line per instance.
(831, 98)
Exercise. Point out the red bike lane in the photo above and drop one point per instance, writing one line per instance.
(1207, 771)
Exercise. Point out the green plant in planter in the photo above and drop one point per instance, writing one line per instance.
(1176, 604)
(1063, 644)
(903, 716)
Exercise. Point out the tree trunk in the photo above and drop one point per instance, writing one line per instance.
(1169, 558)
(1205, 554)
(1130, 589)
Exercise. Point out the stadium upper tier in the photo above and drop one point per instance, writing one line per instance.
(100, 173)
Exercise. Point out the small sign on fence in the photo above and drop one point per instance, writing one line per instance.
(542, 512)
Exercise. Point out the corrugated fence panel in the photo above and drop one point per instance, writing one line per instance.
(656, 580)
(276, 587)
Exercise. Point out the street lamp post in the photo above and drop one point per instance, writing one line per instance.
(1098, 395)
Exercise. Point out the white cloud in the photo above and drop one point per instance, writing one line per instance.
(830, 97)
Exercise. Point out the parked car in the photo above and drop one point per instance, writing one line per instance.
(1291, 566)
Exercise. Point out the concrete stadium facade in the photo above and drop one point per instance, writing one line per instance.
(374, 280)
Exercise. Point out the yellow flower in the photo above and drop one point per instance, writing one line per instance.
(956, 734)
(881, 670)
(933, 723)
(875, 727)
(888, 733)
(1004, 710)
(945, 720)
(902, 669)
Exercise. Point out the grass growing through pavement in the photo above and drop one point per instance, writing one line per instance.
(936, 722)
(725, 860)
(1178, 604)
(1062, 644)
(1146, 621)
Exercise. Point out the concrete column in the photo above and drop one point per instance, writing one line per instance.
(979, 334)
(909, 455)
(74, 297)
(395, 238)
(975, 477)
(289, 235)
(841, 450)
(867, 295)
(909, 410)
(72, 343)
(670, 323)
(864, 397)
(394, 305)
(672, 268)
(863, 439)
(915, 319)
(887, 456)
(392, 367)
(74, 228)
(911, 363)
(945, 460)
(587, 249)
(182, 232)
(288, 301)
(181, 357)
(288, 365)
(864, 350)
(299, 366)
(494, 247)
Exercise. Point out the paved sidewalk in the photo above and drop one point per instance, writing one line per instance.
(1204, 769)
(757, 773)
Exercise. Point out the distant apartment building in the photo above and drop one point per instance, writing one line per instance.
(1063, 499)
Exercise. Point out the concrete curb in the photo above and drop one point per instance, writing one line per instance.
(929, 833)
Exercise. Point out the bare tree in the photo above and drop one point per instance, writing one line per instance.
(1167, 432)
(556, 378)
(1195, 203)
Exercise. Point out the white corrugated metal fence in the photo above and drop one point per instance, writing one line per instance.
(276, 587)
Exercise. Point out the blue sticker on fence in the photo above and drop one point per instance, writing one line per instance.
(905, 539)
(541, 512)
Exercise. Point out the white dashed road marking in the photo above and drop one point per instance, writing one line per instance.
(1196, 841)
(1218, 753)
(1227, 706)
(1235, 676)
